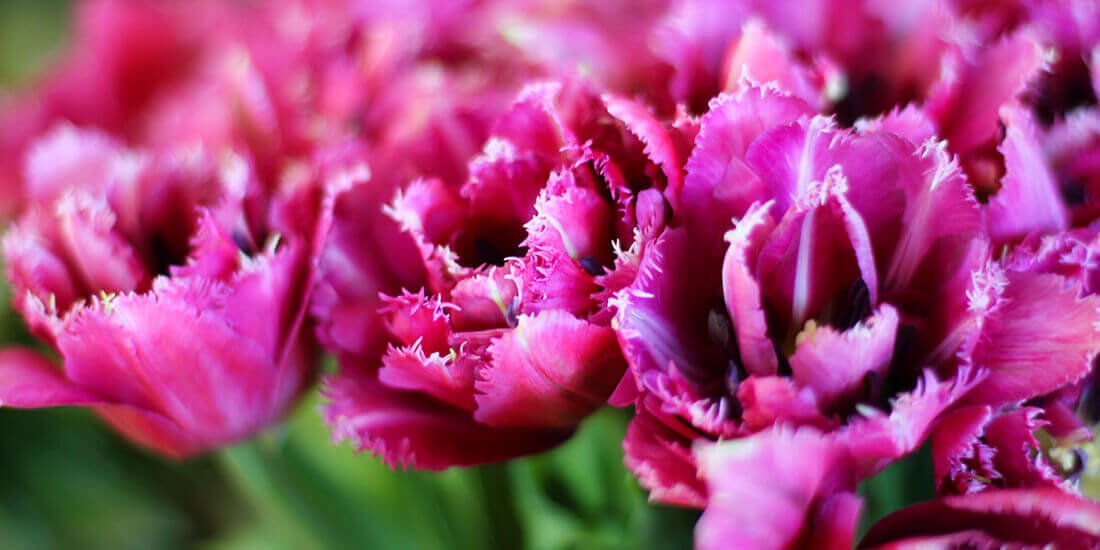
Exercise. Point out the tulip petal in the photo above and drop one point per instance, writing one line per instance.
(214, 382)
(530, 382)
(663, 329)
(66, 155)
(351, 273)
(1019, 458)
(662, 461)
(719, 185)
(762, 57)
(30, 381)
(771, 400)
(879, 439)
(406, 429)
(1029, 200)
(834, 364)
(659, 146)
(440, 376)
(818, 249)
(1023, 359)
(975, 85)
(742, 292)
(792, 477)
(995, 518)
(960, 461)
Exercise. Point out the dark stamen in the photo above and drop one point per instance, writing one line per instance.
(1088, 406)
(1080, 461)
(592, 266)
(511, 313)
(720, 328)
(244, 242)
(733, 377)
(784, 368)
(854, 306)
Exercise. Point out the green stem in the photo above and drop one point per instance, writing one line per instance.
(500, 504)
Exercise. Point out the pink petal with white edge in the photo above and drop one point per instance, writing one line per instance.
(165, 355)
(834, 364)
(878, 439)
(966, 102)
(961, 462)
(910, 122)
(67, 157)
(992, 519)
(939, 219)
(742, 292)
(439, 376)
(555, 282)
(761, 57)
(719, 185)
(97, 255)
(531, 382)
(407, 429)
(1019, 457)
(772, 400)
(350, 271)
(663, 329)
(483, 300)
(792, 476)
(659, 145)
(662, 460)
(34, 269)
(819, 248)
(1027, 355)
(571, 219)
(1029, 200)
(417, 319)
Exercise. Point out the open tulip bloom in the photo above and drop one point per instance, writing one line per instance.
(798, 241)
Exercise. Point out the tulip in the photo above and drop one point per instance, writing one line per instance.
(176, 315)
(475, 309)
(853, 296)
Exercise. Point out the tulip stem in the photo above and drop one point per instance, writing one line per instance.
(500, 505)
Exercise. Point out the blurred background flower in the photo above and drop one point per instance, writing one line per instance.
(71, 482)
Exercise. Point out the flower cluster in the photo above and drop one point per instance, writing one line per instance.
(800, 239)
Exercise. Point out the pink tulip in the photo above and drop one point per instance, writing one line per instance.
(481, 315)
(177, 315)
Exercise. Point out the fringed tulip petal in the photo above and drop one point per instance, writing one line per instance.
(793, 477)
(530, 382)
(407, 429)
(1022, 363)
(997, 518)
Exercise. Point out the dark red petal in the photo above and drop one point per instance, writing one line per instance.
(995, 518)
(406, 429)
